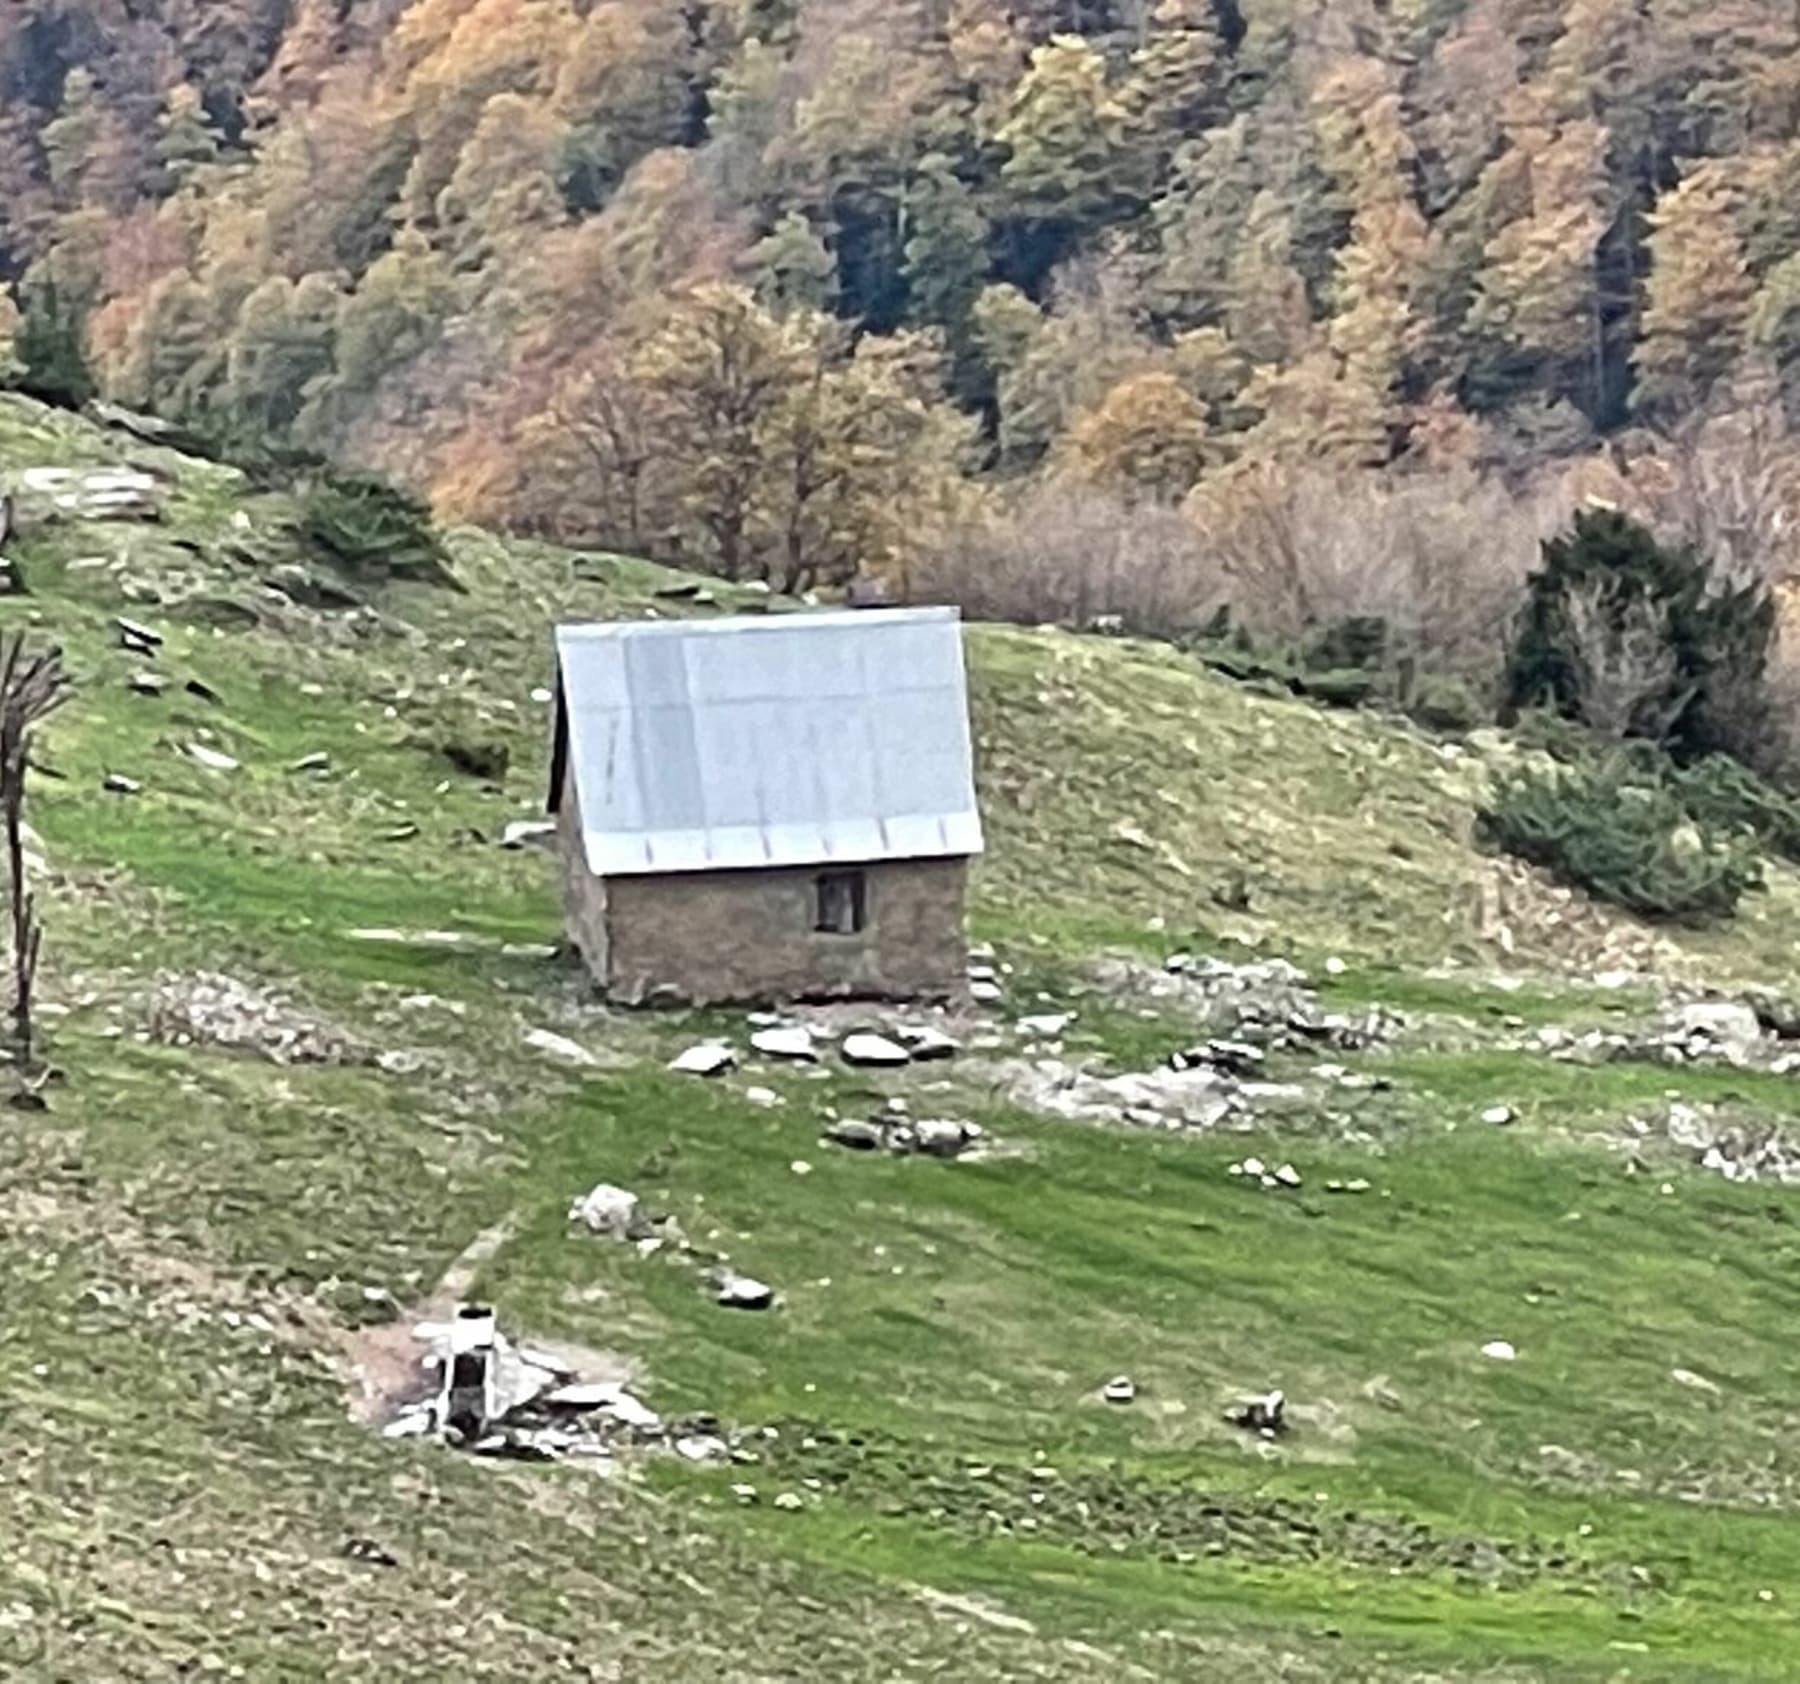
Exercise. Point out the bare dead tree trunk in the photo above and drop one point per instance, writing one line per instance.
(32, 687)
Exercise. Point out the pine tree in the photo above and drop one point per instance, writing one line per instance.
(1173, 91)
(1064, 137)
(187, 139)
(1718, 635)
(794, 268)
(50, 349)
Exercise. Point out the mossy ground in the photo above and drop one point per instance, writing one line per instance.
(190, 1235)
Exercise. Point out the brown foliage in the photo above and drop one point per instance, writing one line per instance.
(1075, 555)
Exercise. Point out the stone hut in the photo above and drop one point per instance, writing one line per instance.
(769, 807)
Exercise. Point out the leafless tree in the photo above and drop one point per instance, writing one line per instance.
(33, 685)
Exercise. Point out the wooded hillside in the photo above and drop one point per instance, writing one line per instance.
(951, 287)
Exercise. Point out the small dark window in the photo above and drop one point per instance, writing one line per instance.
(843, 903)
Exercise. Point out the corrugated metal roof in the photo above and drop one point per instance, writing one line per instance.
(783, 740)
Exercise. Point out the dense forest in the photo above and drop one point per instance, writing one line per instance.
(1064, 307)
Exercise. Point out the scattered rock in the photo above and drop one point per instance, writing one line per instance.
(526, 833)
(702, 1447)
(206, 693)
(1499, 1350)
(560, 1047)
(1184, 1099)
(317, 761)
(211, 758)
(1729, 1025)
(709, 1058)
(943, 1137)
(612, 1211)
(148, 683)
(787, 1041)
(856, 1135)
(307, 589)
(866, 1049)
(116, 783)
(1288, 1176)
(1696, 1382)
(789, 1500)
(138, 638)
(985, 993)
(1120, 1390)
(1045, 1026)
(1498, 1115)
(927, 1044)
(741, 1292)
(1233, 1058)
(766, 1099)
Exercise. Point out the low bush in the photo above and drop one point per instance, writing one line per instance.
(1720, 792)
(1624, 835)
(374, 530)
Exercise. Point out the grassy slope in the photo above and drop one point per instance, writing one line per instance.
(188, 1479)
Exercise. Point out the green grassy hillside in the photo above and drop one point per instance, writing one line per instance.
(201, 1246)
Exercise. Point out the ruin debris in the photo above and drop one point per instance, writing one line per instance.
(1265, 1414)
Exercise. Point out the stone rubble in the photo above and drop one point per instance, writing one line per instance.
(206, 1008)
(1740, 1149)
(496, 1398)
(1265, 1414)
(1170, 1099)
(1266, 1005)
(932, 1137)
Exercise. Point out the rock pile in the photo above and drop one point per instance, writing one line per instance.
(94, 493)
(930, 1137)
(205, 1008)
(1266, 1005)
(1759, 1033)
(1739, 1149)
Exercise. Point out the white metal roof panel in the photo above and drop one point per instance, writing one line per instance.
(720, 745)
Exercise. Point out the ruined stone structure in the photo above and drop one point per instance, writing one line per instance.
(762, 808)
